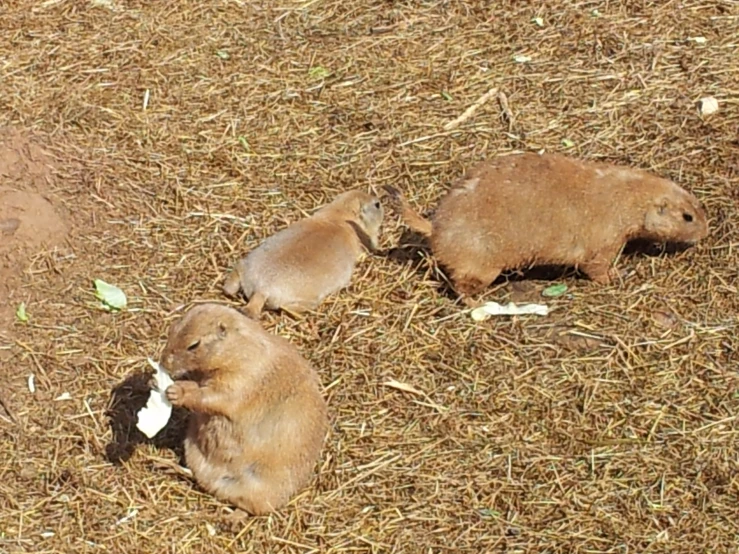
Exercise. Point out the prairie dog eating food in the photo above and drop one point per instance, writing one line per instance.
(258, 418)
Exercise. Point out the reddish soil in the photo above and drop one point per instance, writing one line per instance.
(29, 220)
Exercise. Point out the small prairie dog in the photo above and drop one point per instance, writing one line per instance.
(298, 267)
(529, 209)
(258, 418)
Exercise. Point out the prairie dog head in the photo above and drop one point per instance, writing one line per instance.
(206, 340)
(676, 215)
(362, 210)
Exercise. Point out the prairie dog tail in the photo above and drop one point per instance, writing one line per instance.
(411, 218)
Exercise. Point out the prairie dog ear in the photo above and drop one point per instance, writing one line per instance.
(662, 206)
(654, 218)
(221, 330)
(661, 216)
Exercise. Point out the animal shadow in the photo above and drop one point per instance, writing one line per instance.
(408, 250)
(413, 249)
(642, 247)
(126, 399)
(411, 245)
(632, 249)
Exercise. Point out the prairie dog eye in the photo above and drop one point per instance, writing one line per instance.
(688, 217)
(194, 345)
(376, 204)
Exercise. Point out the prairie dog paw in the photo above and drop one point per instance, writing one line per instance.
(178, 393)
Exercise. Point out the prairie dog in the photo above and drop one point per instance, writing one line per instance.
(258, 418)
(530, 209)
(299, 266)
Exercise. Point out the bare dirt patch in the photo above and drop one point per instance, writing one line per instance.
(29, 220)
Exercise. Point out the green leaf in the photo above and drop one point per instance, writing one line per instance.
(539, 21)
(567, 143)
(20, 313)
(487, 512)
(318, 72)
(446, 96)
(223, 54)
(111, 296)
(245, 144)
(555, 290)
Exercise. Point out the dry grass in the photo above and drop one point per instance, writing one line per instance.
(605, 427)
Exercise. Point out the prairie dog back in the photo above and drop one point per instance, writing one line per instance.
(530, 209)
(298, 267)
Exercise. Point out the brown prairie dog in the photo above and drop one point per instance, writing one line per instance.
(530, 209)
(298, 267)
(258, 418)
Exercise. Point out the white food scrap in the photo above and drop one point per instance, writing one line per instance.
(709, 105)
(154, 416)
(493, 308)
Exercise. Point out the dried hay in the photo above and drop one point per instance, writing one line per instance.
(184, 132)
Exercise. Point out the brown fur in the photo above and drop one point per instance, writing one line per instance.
(258, 419)
(525, 210)
(298, 267)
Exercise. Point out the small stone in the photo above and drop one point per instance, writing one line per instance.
(9, 225)
(664, 319)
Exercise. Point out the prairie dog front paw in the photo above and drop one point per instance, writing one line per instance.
(178, 392)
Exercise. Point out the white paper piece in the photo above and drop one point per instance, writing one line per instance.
(64, 396)
(154, 416)
(493, 308)
(31, 383)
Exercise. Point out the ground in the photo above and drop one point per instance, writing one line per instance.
(29, 222)
(150, 144)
